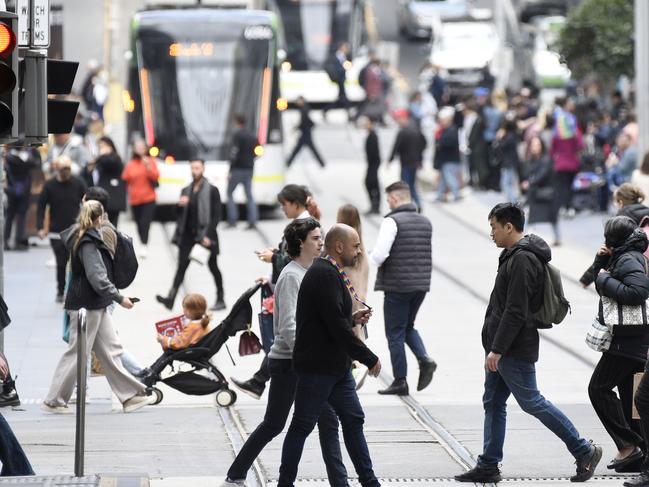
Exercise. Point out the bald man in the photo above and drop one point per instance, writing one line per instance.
(325, 344)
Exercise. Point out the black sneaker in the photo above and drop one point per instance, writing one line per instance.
(251, 387)
(586, 465)
(218, 305)
(641, 480)
(480, 474)
(399, 387)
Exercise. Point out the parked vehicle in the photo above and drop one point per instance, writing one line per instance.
(421, 18)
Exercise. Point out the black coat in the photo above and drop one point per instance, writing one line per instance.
(306, 124)
(243, 149)
(506, 151)
(447, 147)
(627, 283)
(325, 341)
(409, 145)
(636, 212)
(110, 167)
(372, 152)
(509, 328)
(541, 193)
(185, 232)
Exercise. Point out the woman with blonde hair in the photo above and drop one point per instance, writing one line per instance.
(358, 276)
(92, 289)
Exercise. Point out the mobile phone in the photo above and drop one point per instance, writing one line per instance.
(134, 300)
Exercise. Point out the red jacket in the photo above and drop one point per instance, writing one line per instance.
(139, 181)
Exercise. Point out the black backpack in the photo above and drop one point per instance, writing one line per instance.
(125, 261)
(554, 305)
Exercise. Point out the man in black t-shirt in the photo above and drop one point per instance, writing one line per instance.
(242, 162)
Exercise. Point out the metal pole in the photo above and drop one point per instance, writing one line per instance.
(82, 366)
(641, 10)
(2, 241)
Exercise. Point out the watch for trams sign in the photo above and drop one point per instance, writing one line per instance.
(40, 23)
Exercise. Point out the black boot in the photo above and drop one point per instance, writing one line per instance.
(427, 368)
(641, 480)
(219, 304)
(399, 387)
(168, 301)
(480, 474)
(9, 395)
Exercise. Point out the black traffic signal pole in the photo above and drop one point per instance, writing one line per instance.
(82, 370)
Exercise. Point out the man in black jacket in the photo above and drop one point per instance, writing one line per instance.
(324, 346)
(511, 343)
(63, 195)
(373, 157)
(409, 145)
(306, 139)
(199, 213)
(242, 162)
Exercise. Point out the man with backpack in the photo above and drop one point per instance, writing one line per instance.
(511, 342)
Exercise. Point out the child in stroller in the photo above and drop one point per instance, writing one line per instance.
(195, 347)
(196, 327)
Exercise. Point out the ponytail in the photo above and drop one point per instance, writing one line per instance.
(313, 208)
(205, 319)
(90, 211)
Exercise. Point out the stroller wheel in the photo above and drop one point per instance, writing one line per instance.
(225, 397)
(157, 393)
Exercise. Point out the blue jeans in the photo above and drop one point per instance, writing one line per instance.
(518, 377)
(13, 458)
(400, 311)
(450, 179)
(507, 180)
(409, 176)
(312, 394)
(281, 394)
(237, 177)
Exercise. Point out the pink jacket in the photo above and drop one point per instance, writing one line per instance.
(565, 153)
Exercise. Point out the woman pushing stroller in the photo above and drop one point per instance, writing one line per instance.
(304, 243)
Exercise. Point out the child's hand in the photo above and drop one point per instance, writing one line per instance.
(160, 338)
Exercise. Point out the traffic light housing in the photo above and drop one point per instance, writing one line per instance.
(8, 78)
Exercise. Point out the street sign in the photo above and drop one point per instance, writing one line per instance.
(40, 23)
(22, 9)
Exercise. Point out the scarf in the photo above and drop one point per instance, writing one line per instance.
(345, 279)
(204, 205)
(565, 124)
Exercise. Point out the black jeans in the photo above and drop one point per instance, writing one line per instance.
(61, 255)
(16, 209)
(13, 458)
(143, 216)
(305, 140)
(372, 186)
(281, 395)
(615, 413)
(113, 217)
(184, 249)
(313, 393)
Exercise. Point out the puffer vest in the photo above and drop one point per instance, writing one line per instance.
(409, 266)
(80, 293)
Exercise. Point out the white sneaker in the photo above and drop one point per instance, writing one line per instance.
(55, 409)
(144, 252)
(51, 262)
(359, 373)
(137, 402)
(233, 483)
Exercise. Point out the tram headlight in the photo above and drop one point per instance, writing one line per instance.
(282, 104)
(170, 160)
(286, 66)
(259, 151)
(154, 151)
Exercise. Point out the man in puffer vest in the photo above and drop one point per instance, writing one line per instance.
(403, 254)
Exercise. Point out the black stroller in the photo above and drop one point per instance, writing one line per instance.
(198, 357)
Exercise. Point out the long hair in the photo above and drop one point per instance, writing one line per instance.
(90, 211)
(195, 306)
(300, 195)
(349, 215)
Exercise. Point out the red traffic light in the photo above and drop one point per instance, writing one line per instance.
(7, 39)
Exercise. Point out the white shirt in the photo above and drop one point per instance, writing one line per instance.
(304, 214)
(387, 234)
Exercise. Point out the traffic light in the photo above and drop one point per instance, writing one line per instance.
(41, 114)
(8, 78)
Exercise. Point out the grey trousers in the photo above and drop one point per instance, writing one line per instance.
(102, 339)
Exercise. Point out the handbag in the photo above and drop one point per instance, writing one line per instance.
(544, 193)
(599, 336)
(249, 344)
(622, 318)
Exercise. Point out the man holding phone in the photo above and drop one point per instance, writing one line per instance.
(324, 346)
(403, 254)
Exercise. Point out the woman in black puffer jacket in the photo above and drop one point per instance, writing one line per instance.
(624, 280)
(628, 198)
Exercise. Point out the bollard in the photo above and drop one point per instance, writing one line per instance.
(82, 365)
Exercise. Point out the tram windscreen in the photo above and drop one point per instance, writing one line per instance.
(313, 29)
(192, 88)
